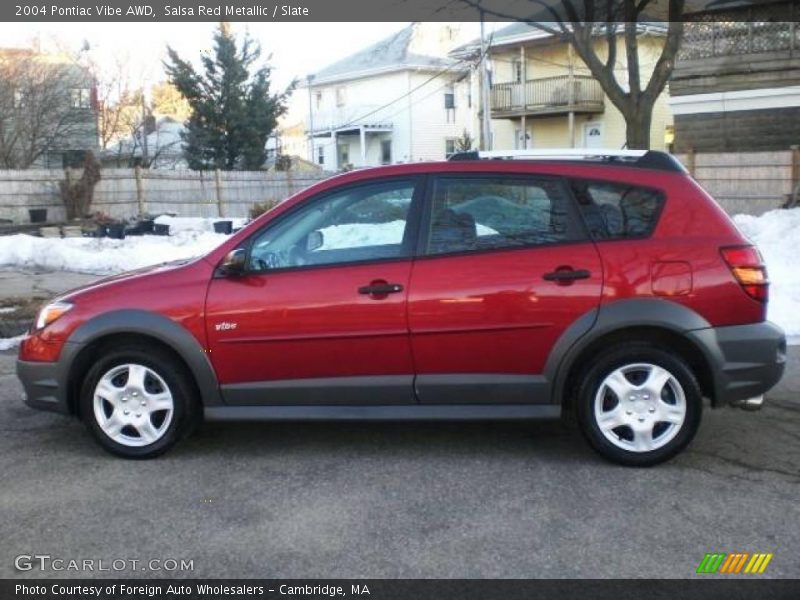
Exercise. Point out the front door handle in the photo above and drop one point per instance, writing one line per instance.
(380, 288)
(566, 275)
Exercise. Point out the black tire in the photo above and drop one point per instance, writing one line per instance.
(186, 411)
(619, 356)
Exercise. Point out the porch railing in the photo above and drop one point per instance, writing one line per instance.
(548, 94)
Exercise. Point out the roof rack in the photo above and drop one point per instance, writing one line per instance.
(646, 159)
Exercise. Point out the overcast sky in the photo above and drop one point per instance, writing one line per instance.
(297, 48)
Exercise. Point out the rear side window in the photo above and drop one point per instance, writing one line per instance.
(479, 213)
(617, 211)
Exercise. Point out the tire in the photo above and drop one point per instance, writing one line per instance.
(138, 401)
(660, 395)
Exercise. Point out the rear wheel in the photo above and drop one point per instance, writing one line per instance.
(639, 404)
(138, 401)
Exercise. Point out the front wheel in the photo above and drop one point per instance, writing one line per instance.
(138, 401)
(639, 404)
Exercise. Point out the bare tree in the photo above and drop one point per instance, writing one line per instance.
(592, 28)
(118, 100)
(45, 106)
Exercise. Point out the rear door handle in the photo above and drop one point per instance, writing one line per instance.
(380, 289)
(566, 275)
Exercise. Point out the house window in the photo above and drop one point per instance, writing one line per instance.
(516, 70)
(318, 97)
(449, 147)
(449, 97)
(80, 97)
(386, 152)
(321, 155)
(340, 96)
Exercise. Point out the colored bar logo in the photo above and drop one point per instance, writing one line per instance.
(735, 563)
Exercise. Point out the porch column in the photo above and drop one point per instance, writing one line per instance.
(363, 136)
(523, 67)
(571, 97)
(335, 151)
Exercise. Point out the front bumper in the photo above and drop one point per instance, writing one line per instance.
(746, 360)
(44, 386)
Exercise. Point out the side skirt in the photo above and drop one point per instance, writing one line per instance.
(449, 412)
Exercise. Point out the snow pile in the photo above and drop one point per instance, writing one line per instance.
(103, 256)
(777, 235)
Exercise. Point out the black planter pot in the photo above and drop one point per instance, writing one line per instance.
(101, 231)
(160, 229)
(116, 231)
(146, 226)
(225, 227)
(37, 215)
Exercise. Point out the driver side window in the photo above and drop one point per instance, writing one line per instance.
(365, 222)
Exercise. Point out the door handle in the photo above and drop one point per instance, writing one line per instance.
(566, 275)
(380, 288)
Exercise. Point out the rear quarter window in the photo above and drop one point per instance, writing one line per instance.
(617, 211)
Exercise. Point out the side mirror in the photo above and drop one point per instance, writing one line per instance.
(314, 241)
(234, 262)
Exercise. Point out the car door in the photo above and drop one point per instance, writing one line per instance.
(319, 316)
(505, 267)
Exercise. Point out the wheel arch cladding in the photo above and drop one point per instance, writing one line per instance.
(647, 319)
(141, 325)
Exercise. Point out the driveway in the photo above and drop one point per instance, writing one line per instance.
(402, 499)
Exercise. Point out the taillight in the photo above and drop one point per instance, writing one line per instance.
(748, 269)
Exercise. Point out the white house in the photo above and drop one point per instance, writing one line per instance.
(400, 100)
(164, 148)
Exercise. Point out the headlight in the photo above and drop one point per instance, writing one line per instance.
(51, 312)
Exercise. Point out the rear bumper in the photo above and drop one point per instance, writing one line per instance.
(747, 360)
(44, 388)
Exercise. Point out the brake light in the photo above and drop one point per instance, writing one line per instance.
(748, 269)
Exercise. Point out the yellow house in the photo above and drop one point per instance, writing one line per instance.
(542, 95)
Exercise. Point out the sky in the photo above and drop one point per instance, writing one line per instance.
(297, 48)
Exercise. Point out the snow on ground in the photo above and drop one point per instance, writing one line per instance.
(777, 235)
(103, 256)
(9, 343)
(188, 237)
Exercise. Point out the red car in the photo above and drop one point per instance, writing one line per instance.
(610, 287)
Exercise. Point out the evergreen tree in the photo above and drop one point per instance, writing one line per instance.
(232, 110)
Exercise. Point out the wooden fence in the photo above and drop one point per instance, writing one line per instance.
(123, 193)
(746, 182)
(742, 182)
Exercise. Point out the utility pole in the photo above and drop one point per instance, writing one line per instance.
(523, 82)
(486, 128)
(309, 79)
